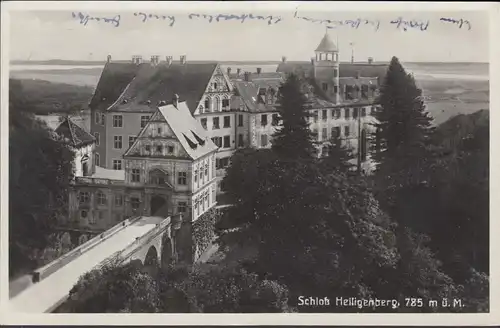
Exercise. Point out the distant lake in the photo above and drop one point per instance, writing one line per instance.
(49, 67)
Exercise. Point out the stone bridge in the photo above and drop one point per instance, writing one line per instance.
(148, 240)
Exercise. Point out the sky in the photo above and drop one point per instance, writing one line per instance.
(43, 35)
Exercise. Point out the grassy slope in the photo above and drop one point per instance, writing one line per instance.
(43, 97)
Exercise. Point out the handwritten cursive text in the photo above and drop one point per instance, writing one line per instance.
(414, 24)
(243, 17)
(85, 18)
(145, 17)
(460, 22)
(331, 24)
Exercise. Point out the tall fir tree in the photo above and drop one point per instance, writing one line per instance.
(294, 139)
(404, 125)
(337, 157)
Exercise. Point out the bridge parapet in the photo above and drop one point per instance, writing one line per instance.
(124, 254)
(60, 262)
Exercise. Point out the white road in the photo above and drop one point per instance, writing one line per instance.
(40, 297)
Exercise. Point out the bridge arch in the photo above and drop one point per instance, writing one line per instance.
(151, 259)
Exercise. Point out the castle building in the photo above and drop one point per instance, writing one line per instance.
(165, 131)
(169, 169)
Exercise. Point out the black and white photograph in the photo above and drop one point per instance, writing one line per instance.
(226, 157)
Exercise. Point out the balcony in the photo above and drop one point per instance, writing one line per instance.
(97, 181)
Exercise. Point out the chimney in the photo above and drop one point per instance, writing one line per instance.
(155, 60)
(247, 76)
(238, 71)
(169, 60)
(175, 100)
(137, 59)
(358, 74)
(370, 60)
(229, 71)
(283, 59)
(183, 59)
(109, 59)
(259, 70)
(312, 60)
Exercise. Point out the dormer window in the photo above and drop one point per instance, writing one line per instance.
(215, 86)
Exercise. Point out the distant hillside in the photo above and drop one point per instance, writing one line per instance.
(462, 128)
(43, 97)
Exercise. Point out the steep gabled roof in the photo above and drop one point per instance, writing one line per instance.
(76, 136)
(192, 136)
(130, 87)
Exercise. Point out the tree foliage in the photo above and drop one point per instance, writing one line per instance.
(40, 169)
(293, 138)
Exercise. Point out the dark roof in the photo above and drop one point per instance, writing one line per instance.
(345, 69)
(326, 44)
(76, 136)
(147, 85)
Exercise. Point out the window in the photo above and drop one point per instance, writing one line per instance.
(263, 120)
(324, 134)
(195, 176)
(144, 120)
(92, 219)
(201, 174)
(217, 141)
(83, 214)
(117, 142)
(182, 178)
(363, 112)
(276, 119)
(170, 149)
(315, 132)
(131, 140)
(224, 162)
(215, 86)
(217, 163)
(346, 131)
(373, 110)
(148, 148)
(117, 164)
(240, 140)
(118, 200)
(215, 123)
(159, 148)
(325, 115)
(196, 206)
(315, 115)
(83, 197)
(97, 138)
(117, 121)
(206, 170)
(135, 203)
(204, 123)
(103, 119)
(136, 175)
(263, 140)
(355, 112)
(346, 112)
(207, 104)
(324, 86)
(336, 132)
(337, 113)
(97, 117)
(101, 198)
(97, 159)
(225, 103)
(227, 141)
(227, 121)
(240, 120)
(181, 207)
(158, 130)
(335, 89)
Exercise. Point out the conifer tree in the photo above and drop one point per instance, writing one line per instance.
(293, 140)
(338, 157)
(404, 124)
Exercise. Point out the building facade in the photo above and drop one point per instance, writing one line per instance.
(169, 169)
